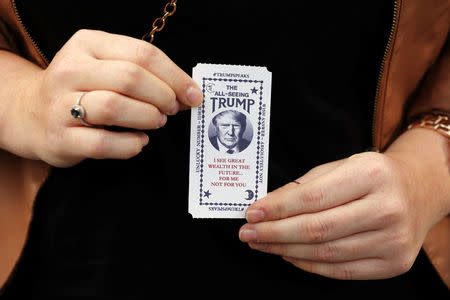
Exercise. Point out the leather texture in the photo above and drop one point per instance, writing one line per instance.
(422, 31)
(20, 179)
(419, 37)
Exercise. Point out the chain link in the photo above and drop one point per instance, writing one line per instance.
(159, 23)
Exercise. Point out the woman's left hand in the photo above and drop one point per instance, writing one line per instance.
(364, 217)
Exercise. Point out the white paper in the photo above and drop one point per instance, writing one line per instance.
(229, 140)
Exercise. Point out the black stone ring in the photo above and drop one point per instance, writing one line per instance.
(78, 112)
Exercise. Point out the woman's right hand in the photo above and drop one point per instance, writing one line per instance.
(129, 83)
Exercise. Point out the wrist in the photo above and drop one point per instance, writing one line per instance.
(21, 130)
(425, 159)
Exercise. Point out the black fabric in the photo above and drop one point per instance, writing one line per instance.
(109, 227)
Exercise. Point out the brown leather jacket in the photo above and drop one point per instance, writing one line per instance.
(415, 67)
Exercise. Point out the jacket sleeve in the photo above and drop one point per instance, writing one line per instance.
(434, 93)
(20, 179)
(13, 36)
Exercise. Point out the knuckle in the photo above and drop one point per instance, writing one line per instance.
(62, 69)
(97, 149)
(406, 263)
(393, 211)
(313, 198)
(360, 157)
(153, 120)
(131, 71)
(343, 273)
(81, 35)
(401, 240)
(55, 142)
(402, 252)
(171, 98)
(281, 250)
(365, 156)
(276, 210)
(109, 110)
(326, 252)
(402, 264)
(132, 75)
(145, 53)
(166, 99)
(317, 230)
(375, 168)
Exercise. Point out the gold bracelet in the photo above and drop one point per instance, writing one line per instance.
(435, 120)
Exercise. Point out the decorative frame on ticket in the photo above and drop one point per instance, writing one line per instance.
(229, 140)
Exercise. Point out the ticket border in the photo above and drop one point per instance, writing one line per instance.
(258, 148)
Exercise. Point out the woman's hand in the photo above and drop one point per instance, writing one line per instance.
(364, 217)
(129, 83)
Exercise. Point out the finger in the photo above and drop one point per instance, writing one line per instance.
(339, 186)
(98, 143)
(309, 176)
(106, 46)
(354, 217)
(253, 214)
(357, 246)
(370, 268)
(113, 109)
(319, 171)
(128, 79)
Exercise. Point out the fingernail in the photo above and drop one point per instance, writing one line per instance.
(247, 235)
(145, 139)
(194, 96)
(162, 121)
(254, 215)
(175, 109)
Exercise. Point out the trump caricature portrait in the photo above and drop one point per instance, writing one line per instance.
(226, 132)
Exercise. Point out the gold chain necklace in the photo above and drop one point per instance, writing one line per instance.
(159, 23)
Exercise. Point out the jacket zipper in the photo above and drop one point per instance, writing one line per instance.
(386, 55)
(33, 41)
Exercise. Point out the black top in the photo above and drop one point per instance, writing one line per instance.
(111, 227)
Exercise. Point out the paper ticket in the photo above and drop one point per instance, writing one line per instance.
(229, 140)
